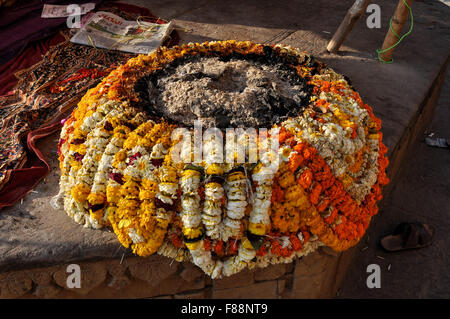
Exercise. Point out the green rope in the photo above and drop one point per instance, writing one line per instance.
(395, 33)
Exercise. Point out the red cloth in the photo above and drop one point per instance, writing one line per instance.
(23, 180)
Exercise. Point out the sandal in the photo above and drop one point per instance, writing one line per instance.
(408, 236)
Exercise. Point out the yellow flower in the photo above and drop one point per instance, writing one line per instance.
(121, 131)
(76, 165)
(214, 169)
(149, 185)
(235, 176)
(124, 223)
(130, 189)
(113, 193)
(168, 174)
(257, 229)
(95, 198)
(247, 244)
(144, 142)
(146, 194)
(286, 179)
(131, 141)
(189, 173)
(148, 207)
(193, 246)
(80, 148)
(346, 180)
(97, 215)
(213, 185)
(122, 235)
(120, 156)
(165, 140)
(295, 196)
(128, 205)
(114, 121)
(192, 233)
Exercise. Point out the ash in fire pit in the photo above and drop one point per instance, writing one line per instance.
(224, 93)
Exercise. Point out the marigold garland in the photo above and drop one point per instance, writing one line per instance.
(117, 171)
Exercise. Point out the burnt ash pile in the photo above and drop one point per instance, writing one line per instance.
(232, 91)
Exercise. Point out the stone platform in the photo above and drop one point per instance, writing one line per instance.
(37, 243)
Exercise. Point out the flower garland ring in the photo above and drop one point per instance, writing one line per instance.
(117, 169)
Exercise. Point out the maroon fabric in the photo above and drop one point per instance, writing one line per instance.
(32, 55)
(23, 24)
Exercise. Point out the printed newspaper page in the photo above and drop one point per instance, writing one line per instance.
(59, 11)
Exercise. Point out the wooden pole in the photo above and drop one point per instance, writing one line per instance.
(353, 14)
(399, 19)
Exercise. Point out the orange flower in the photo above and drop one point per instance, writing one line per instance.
(177, 241)
(325, 86)
(207, 244)
(314, 196)
(233, 246)
(284, 134)
(218, 248)
(262, 251)
(296, 243)
(323, 205)
(299, 147)
(330, 219)
(277, 193)
(305, 179)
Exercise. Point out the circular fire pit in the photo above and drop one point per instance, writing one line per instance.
(226, 154)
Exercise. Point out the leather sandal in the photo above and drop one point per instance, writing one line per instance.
(408, 236)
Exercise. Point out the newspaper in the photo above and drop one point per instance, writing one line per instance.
(60, 11)
(109, 31)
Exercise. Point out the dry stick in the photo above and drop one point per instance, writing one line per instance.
(353, 15)
(400, 16)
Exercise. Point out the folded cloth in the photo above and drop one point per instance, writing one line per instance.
(25, 179)
(44, 93)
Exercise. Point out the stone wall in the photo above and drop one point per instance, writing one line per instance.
(313, 276)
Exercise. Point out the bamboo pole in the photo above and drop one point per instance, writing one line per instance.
(399, 19)
(353, 14)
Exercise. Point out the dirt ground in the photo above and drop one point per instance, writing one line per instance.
(422, 193)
